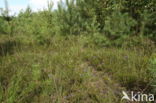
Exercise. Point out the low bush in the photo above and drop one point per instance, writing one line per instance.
(152, 69)
(129, 68)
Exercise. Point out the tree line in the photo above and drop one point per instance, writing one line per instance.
(110, 19)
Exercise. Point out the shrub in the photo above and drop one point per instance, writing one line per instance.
(129, 68)
(4, 26)
(118, 25)
(152, 69)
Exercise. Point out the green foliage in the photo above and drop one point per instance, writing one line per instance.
(89, 52)
(55, 74)
(100, 40)
(127, 67)
(115, 19)
(4, 26)
(71, 69)
(1, 92)
(118, 25)
(76, 18)
(150, 25)
(152, 69)
(39, 26)
(144, 14)
(1, 25)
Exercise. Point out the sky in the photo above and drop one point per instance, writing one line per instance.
(16, 5)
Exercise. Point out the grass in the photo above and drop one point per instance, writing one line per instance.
(70, 70)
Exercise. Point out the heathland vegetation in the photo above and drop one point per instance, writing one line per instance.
(85, 51)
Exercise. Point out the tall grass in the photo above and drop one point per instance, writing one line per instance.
(71, 70)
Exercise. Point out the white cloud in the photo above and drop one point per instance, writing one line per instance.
(34, 4)
(16, 9)
(55, 3)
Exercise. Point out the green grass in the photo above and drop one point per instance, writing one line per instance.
(70, 70)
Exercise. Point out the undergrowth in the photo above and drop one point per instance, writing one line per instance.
(71, 70)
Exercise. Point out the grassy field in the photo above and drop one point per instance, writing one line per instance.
(72, 70)
(77, 51)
